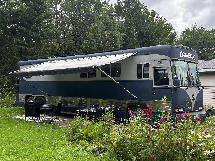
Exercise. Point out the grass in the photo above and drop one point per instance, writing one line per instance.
(21, 140)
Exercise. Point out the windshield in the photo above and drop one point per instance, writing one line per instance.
(186, 72)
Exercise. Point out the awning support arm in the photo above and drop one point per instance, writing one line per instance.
(116, 82)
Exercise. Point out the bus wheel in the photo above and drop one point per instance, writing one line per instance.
(41, 99)
(30, 99)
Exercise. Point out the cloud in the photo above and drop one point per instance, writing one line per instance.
(184, 13)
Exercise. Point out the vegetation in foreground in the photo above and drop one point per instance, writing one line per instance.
(145, 137)
(21, 140)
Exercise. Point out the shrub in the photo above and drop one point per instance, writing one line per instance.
(7, 99)
(146, 137)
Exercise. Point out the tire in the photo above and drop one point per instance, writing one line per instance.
(41, 99)
(30, 99)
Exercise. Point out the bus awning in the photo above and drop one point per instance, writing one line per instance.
(69, 66)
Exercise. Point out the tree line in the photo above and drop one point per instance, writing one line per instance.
(33, 29)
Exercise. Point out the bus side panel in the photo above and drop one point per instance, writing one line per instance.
(91, 89)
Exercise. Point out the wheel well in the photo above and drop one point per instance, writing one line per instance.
(40, 99)
(29, 97)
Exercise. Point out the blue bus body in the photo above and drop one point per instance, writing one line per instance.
(152, 73)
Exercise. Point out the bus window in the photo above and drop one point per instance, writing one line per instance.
(146, 70)
(92, 74)
(116, 70)
(161, 77)
(106, 69)
(89, 74)
(142, 71)
(139, 71)
(83, 75)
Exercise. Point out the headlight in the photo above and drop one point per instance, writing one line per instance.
(181, 110)
(200, 108)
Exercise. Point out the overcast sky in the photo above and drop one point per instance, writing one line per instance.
(183, 14)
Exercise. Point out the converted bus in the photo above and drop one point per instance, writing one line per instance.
(162, 77)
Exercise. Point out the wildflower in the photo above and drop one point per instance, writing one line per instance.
(153, 158)
(158, 126)
(203, 116)
(178, 121)
(194, 120)
(138, 105)
(108, 120)
(206, 132)
(166, 111)
(166, 115)
(148, 136)
(177, 143)
(94, 146)
(194, 144)
(185, 143)
(176, 126)
(194, 124)
(187, 116)
(128, 108)
(162, 120)
(198, 119)
(172, 117)
(113, 120)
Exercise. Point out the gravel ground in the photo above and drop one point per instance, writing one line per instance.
(62, 121)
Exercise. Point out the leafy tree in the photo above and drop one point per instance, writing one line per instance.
(142, 27)
(85, 26)
(200, 39)
(23, 32)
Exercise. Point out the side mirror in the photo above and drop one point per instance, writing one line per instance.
(176, 82)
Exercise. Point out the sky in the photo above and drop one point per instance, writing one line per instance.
(184, 14)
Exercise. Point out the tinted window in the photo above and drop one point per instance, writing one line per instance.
(161, 77)
(139, 71)
(83, 75)
(146, 70)
(106, 69)
(116, 70)
(92, 74)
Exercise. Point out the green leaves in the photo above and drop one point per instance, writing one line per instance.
(142, 27)
(201, 40)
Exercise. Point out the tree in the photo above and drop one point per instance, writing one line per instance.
(85, 26)
(23, 31)
(142, 27)
(200, 39)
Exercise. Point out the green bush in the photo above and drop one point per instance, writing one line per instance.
(7, 93)
(146, 137)
(7, 99)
